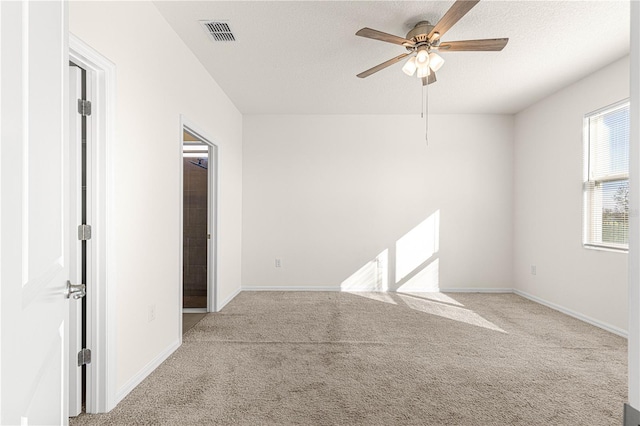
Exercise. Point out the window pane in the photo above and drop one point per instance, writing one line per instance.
(606, 189)
(615, 212)
(609, 143)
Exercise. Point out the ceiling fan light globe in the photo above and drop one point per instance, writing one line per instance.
(422, 58)
(423, 72)
(435, 61)
(410, 66)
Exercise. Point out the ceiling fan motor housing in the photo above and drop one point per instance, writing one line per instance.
(419, 33)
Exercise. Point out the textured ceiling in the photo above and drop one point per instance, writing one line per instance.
(302, 57)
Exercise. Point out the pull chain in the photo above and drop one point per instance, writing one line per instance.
(422, 106)
(426, 114)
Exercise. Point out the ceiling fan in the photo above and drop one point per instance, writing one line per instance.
(423, 41)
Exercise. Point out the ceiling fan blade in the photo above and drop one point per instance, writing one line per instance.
(453, 15)
(383, 65)
(429, 80)
(489, 44)
(389, 38)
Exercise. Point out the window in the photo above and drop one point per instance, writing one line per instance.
(606, 182)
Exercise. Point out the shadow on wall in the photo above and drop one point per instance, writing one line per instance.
(410, 265)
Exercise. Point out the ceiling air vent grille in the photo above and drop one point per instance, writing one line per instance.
(218, 30)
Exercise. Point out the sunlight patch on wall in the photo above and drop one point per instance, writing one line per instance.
(425, 280)
(447, 311)
(417, 246)
(373, 276)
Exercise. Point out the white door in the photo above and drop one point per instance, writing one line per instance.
(34, 247)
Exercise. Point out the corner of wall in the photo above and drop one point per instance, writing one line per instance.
(550, 262)
(228, 299)
(137, 378)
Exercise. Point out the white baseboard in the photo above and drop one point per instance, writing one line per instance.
(287, 288)
(476, 290)
(145, 371)
(314, 288)
(223, 303)
(608, 327)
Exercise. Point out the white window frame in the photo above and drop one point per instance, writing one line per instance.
(592, 235)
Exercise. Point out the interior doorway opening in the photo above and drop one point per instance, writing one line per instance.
(93, 178)
(195, 226)
(80, 217)
(199, 236)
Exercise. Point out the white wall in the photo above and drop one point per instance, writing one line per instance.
(329, 194)
(548, 203)
(158, 79)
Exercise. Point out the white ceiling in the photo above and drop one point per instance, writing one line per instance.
(302, 57)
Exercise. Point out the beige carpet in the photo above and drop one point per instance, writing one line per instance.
(294, 358)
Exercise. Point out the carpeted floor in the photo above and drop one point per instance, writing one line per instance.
(312, 358)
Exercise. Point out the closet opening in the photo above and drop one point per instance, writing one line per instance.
(199, 164)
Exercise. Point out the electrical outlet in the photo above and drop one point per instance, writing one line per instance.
(533, 269)
(278, 263)
(152, 312)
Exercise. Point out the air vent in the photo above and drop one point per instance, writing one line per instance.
(218, 30)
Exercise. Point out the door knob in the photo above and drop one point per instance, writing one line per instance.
(78, 291)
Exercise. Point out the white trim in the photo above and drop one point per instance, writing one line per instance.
(180, 232)
(224, 302)
(145, 371)
(288, 288)
(476, 290)
(180, 195)
(194, 310)
(314, 288)
(633, 290)
(605, 248)
(609, 108)
(74, 171)
(101, 391)
(608, 327)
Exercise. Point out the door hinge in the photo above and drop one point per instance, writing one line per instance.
(84, 232)
(84, 357)
(84, 107)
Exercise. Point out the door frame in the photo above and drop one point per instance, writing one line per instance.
(101, 302)
(212, 215)
(75, 172)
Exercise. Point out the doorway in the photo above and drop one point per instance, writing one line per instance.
(80, 239)
(199, 201)
(93, 143)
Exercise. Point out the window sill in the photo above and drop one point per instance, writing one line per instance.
(606, 248)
